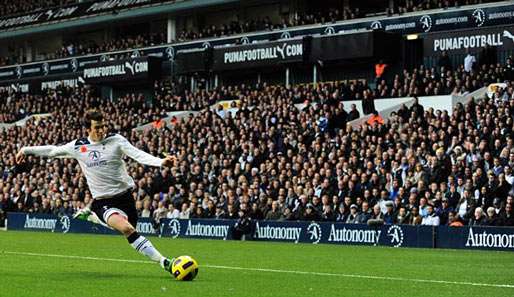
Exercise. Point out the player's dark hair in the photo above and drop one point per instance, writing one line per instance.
(92, 115)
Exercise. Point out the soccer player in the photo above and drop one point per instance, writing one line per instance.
(100, 158)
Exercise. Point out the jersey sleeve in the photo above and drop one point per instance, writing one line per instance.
(51, 151)
(138, 155)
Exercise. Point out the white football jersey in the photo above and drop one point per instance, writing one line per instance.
(101, 162)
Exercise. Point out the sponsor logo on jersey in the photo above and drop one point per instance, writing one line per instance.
(96, 159)
(94, 155)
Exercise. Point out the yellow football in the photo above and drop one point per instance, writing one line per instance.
(184, 268)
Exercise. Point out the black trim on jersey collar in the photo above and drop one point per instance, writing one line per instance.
(82, 141)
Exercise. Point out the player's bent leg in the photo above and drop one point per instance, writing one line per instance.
(120, 223)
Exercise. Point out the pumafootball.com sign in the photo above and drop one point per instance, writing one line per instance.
(122, 70)
(258, 54)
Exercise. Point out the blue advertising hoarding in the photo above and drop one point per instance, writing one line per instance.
(489, 238)
(485, 238)
(304, 232)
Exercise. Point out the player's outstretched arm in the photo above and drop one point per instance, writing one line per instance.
(143, 157)
(51, 151)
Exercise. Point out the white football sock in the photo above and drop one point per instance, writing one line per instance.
(145, 247)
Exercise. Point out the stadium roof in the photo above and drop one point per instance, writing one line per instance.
(119, 15)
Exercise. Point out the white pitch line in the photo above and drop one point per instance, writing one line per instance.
(387, 278)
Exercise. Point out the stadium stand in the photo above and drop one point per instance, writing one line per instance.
(130, 41)
(17, 7)
(172, 96)
(269, 158)
(277, 162)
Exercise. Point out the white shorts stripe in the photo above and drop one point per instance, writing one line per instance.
(112, 211)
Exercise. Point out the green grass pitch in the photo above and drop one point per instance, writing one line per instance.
(48, 264)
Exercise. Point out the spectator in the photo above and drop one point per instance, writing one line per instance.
(444, 61)
(479, 218)
(327, 213)
(160, 212)
(507, 216)
(454, 220)
(354, 113)
(417, 108)
(243, 227)
(352, 216)
(147, 211)
(274, 213)
(415, 218)
(375, 119)
(341, 213)
(403, 217)
(172, 213)
(432, 219)
(185, 212)
(310, 214)
(389, 217)
(492, 218)
(368, 104)
(469, 61)
(365, 214)
(377, 214)
(443, 211)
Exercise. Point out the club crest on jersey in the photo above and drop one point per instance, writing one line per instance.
(94, 155)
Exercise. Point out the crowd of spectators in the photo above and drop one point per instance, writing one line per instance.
(425, 81)
(265, 24)
(272, 161)
(404, 6)
(8, 7)
(421, 81)
(5, 61)
(80, 48)
(173, 96)
(129, 110)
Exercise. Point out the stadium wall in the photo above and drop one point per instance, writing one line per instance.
(487, 238)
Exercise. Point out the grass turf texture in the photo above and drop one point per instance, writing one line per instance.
(40, 275)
